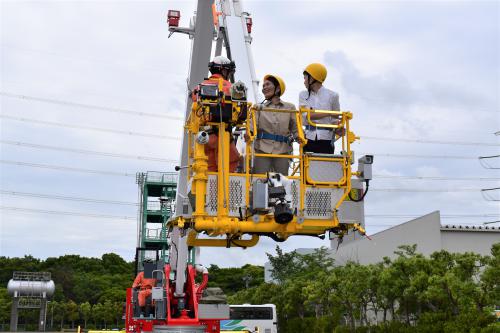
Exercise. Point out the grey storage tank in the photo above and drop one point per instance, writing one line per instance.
(30, 290)
(17, 288)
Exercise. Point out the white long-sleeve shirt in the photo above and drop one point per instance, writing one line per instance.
(323, 99)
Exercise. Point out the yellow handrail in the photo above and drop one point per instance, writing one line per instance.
(319, 125)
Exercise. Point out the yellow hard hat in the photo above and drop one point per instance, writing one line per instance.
(317, 71)
(280, 82)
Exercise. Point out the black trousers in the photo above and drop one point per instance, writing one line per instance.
(319, 146)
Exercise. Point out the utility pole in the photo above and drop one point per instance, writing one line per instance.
(247, 279)
(490, 194)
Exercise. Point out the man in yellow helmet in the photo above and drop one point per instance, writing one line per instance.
(319, 140)
(275, 130)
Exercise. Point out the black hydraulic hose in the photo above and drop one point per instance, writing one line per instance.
(275, 237)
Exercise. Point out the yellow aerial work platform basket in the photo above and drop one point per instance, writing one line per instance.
(235, 204)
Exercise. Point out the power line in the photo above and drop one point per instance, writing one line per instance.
(31, 120)
(87, 152)
(103, 201)
(421, 156)
(426, 190)
(150, 158)
(484, 162)
(384, 101)
(71, 169)
(434, 178)
(488, 196)
(486, 157)
(158, 159)
(60, 212)
(460, 224)
(157, 69)
(36, 121)
(105, 62)
(63, 197)
(89, 106)
(491, 189)
(445, 216)
(113, 173)
(441, 142)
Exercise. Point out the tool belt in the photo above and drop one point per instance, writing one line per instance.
(274, 137)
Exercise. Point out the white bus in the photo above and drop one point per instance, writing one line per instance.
(248, 317)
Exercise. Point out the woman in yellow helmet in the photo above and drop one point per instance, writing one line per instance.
(317, 97)
(275, 130)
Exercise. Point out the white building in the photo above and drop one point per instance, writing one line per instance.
(426, 231)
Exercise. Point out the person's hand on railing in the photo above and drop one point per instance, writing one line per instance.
(258, 106)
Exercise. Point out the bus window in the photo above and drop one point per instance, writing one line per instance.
(250, 313)
(250, 318)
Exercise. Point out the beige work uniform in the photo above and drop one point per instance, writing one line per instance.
(277, 123)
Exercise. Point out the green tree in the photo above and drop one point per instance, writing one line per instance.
(9, 265)
(115, 295)
(317, 262)
(5, 305)
(283, 265)
(98, 315)
(317, 294)
(109, 314)
(490, 279)
(72, 312)
(118, 313)
(455, 294)
(375, 299)
(387, 292)
(405, 272)
(232, 280)
(114, 264)
(60, 313)
(51, 307)
(444, 292)
(86, 312)
(265, 293)
(345, 292)
(294, 298)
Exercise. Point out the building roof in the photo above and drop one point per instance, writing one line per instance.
(435, 213)
(481, 228)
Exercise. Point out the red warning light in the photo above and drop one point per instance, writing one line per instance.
(173, 18)
(249, 23)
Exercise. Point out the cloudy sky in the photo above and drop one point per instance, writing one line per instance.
(89, 87)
